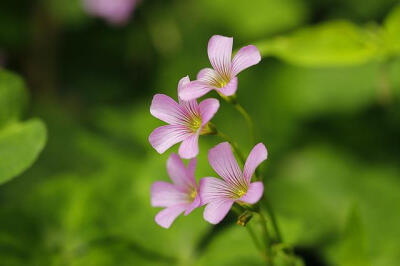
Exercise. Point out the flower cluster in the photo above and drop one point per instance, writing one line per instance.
(186, 121)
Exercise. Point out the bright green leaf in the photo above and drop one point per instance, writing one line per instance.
(20, 144)
(13, 97)
(334, 43)
(392, 27)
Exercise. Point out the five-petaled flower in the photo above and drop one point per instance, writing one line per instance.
(180, 196)
(220, 194)
(223, 77)
(187, 120)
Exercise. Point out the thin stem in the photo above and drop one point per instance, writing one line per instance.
(267, 239)
(248, 119)
(238, 210)
(253, 237)
(272, 216)
(234, 145)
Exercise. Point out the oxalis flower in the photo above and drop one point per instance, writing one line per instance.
(222, 77)
(116, 12)
(180, 196)
(235, 185)
(187, 120)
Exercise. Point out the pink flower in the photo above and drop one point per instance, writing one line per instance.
(181, 196)
(187, 120)
(116, 12)
(219, 195)
(223, 77)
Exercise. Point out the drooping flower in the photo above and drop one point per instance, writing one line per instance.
(222, 77)
(116, 12)
(235, 185)
(186, 121)
(180, 196)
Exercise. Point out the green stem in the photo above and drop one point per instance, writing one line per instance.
(253, 237)
(248, 119)
(234, 145)
(267, 238)
(238, 210)
(272, 216)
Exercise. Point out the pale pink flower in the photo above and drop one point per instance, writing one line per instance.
(222, 77)
(235, 185)
(186, 121)
(116, 12)
(180, 196)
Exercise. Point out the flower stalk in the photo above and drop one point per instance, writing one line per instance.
(237, 188)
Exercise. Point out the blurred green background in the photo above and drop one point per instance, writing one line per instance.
(325, 99)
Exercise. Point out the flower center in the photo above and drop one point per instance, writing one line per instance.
(240, 192)
(195, 123)
(222, 83)
(192, 195)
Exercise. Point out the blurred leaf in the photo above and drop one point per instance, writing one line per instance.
(285, 258)
(330, 180)
(69, 12)
(351, 248)
(253, 19)
(333, 43)
(13, 97)
(392, 26)
(233, 247)
(20, 144)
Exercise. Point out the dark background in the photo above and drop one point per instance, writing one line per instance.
(332, 132)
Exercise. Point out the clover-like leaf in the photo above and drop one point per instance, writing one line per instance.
(20, 142)
(333, 43)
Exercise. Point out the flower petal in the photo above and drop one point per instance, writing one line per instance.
(224, 163)
(229, 88)
(189, 147)
(166, 109)
(165, 194)
(194, 90)
(246, 57)
(208, 108)
(254, 193)
(166, 217)
(196, 203)
(257, 155)
(212, 189)
(206, 72)
(162, 138)
(215, 211)
(179, 174)
(220, 54)
(191, 169)
(183, 82)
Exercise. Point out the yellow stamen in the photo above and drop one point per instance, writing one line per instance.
(193, 195)
(240, 192)
(195, 123)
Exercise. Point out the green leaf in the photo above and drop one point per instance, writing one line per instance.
(20, 144)
(352, 251)
(335, 43)
(13, 97)
(392, 28)
(257, 19)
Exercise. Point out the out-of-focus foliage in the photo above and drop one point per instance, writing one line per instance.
(331, 130)
(337, 43)
(392, 29)
(20, 142)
